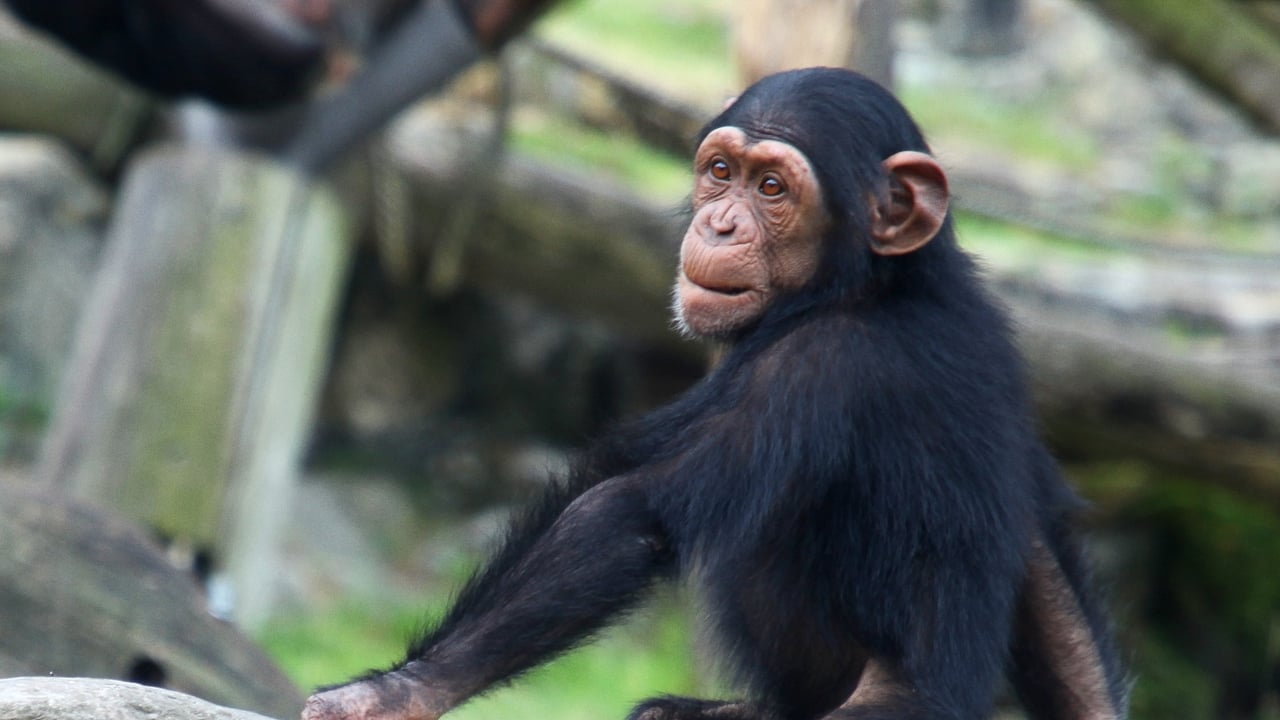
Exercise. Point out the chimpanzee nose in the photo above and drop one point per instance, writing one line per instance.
(724, 221)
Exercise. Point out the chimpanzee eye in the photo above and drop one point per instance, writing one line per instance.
(771, 186)
(719, 169)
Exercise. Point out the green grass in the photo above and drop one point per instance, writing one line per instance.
(23, 419)
(1023, 131)
(648, 655)
(318, 647)
(625, 159)
(1007, 244)
(681, 47)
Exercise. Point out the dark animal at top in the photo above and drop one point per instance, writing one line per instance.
(264, 59)
(237, 53)
(255, 54)
(857, 491)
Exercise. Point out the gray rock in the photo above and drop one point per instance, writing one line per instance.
(91, 699)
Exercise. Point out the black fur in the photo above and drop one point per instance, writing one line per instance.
(192, 47)
(859, 476)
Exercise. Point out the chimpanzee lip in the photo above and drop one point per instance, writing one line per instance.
(726, 289)
(732, 292)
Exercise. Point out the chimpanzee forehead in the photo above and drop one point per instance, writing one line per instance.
(760, 127)
(745, 142)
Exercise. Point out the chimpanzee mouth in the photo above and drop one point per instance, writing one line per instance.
(726, 289)
(730, 290)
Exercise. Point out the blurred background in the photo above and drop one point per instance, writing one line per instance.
(256, 426)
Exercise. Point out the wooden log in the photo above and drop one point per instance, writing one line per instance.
(191, 386)
(1217, 41)
(1191, 331)
(85, 593)
(565, 83)
(44, 89)
(1112, 384)
(587, 247)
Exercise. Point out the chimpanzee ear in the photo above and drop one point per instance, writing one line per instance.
(915, 207)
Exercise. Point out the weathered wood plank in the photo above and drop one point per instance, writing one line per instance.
(190, 390)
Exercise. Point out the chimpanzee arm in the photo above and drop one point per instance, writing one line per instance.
(571, 565)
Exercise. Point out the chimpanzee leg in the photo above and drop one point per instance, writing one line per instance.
(879, 694)
(549, 588)
(1064, 665)
(951, 665)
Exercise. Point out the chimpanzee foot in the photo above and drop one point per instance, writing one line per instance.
(383, 698)
(670, 707)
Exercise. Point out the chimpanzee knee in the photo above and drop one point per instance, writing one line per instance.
(612, 521)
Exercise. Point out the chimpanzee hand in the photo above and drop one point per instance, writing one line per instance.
(389, 697)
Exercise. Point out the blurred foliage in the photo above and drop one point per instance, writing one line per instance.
(22, 420)
(1169, 685)
(6, 410)
(326, 645)
(1197, 592)
(1215, 570)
